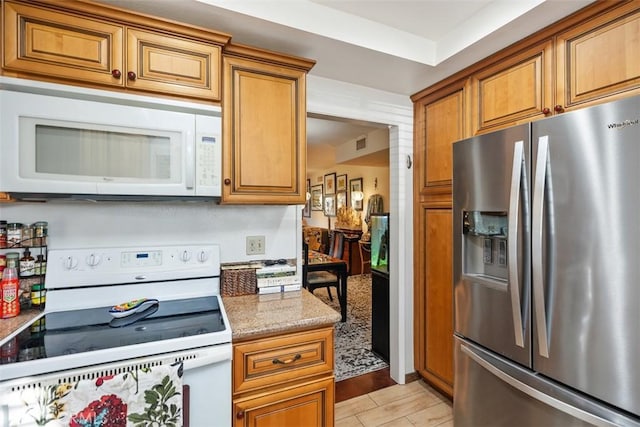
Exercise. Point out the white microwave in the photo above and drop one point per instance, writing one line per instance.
(54, 145)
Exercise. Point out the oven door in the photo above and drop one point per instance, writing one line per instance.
(205, 391)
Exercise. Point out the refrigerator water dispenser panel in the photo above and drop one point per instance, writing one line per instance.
(485, 244)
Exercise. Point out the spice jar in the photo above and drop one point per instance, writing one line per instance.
(3, 263)
(27, 264)
(40, 231)
(38, 296)
(27, 235)
(41, 265)
(14, 234)
(3, 234)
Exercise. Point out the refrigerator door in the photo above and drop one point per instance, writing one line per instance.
(492, 391)
(491, 241)
(586, 251)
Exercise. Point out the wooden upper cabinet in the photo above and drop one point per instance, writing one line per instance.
(264, 129)
(517, 89)
(599, 60)
(62, 45)
(440, 121)
(95, 45)
(172, 64)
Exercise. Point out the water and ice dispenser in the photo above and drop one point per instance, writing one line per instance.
(484, 248)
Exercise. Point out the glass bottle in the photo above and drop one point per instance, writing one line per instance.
(41, 265)
(10, 290)
(40, 231)
(27, 264)
(3, 234)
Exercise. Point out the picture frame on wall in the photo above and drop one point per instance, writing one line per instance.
(330, 183)
(330, 205)
(316, 197)
(356, 185)
(341, 183)
(341, 199)
(306, 212)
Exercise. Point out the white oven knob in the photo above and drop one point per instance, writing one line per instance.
(203, 256)
(185, 256)
(93, 260)
(70, 263)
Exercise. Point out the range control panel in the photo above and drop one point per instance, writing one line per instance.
(98, 266)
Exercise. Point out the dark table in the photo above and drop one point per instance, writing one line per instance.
(322, 262)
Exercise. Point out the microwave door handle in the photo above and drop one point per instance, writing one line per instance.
(190, 163)
(536, 244)
(514, 271)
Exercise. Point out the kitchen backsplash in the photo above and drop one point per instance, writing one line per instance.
(100, 224)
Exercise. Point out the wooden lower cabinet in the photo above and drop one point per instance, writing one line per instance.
(284, 380)
(434, 299)
(309, 404)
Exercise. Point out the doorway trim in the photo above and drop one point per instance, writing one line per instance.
(348, 101)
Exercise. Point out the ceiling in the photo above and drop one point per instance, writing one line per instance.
(398, 46)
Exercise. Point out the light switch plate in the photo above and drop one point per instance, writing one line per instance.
(255, 245)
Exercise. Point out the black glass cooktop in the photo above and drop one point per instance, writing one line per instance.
(77, 331)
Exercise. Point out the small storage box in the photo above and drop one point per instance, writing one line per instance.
(237, 281)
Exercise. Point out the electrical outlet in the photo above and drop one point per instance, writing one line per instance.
(255, 245)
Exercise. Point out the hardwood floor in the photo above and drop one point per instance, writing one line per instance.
(363, 384)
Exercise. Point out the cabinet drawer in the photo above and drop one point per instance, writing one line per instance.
(272, 361)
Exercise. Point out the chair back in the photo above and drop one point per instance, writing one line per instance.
(337, 245)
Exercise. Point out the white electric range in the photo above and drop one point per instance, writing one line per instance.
(76, 336)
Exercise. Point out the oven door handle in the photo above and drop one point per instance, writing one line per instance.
(209, 356)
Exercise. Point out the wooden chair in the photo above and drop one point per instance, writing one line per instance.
(324, 279)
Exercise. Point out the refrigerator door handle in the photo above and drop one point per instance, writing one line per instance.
(514, 271)
(536, 245)
(534, 393)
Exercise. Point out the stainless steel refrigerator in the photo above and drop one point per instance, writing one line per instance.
(547, 271)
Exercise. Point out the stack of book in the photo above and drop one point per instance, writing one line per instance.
(277, 278)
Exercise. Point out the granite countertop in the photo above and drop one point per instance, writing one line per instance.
(10, 325)
(253, 316)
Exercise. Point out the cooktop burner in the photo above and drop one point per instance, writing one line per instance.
(78, 331)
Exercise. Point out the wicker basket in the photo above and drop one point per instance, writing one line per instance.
(236, 282)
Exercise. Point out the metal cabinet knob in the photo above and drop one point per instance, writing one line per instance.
(116, 73)
(131, 75)
(227, 181)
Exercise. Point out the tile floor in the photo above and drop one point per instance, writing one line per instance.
(402, 405)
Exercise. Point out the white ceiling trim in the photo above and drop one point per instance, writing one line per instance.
(331, 23)
(480, 25)
(335, 24)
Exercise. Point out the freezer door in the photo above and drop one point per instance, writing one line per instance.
(491, 241)
(492, 391)
(586, 251)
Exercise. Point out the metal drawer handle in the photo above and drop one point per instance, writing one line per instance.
(298, 356)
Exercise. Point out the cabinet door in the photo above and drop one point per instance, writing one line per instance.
(598, 60)
(518, 89)
(434, 299)
(309, 405)
(62, 45)
(172, 65)
(264, 143)
(439, 121)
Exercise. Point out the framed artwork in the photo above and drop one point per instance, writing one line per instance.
(316, 197)
(356, 185)
(330, 205)
(341, 199)
(330, 183)
(306, 212)
(341, 183)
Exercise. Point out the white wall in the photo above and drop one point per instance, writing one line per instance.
(339, 99)
(369, 175)
(103, 224)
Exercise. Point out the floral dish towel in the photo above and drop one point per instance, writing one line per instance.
(150, 396)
